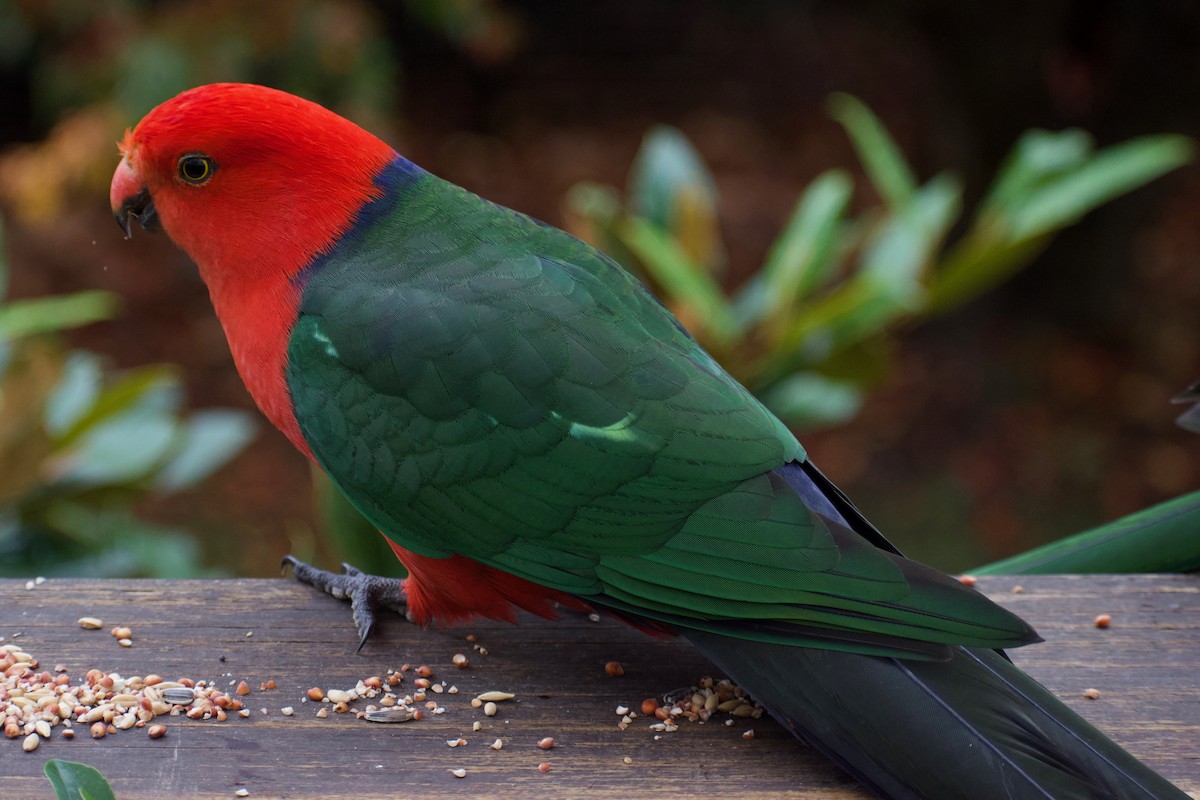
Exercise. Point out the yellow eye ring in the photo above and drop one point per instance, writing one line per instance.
(196, 169)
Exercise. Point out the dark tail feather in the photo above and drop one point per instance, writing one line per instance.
(971, 727)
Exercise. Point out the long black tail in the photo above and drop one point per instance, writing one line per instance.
(972, 727)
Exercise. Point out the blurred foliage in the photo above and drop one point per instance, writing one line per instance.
(81, 446)
(97, 64)
(809, 332)
(348, 534)
(74, 781)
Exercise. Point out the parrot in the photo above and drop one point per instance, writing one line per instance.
(531, 429)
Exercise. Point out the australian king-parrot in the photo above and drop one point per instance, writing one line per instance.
(528, 426)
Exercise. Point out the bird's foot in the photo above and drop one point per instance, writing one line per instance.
(366, 593)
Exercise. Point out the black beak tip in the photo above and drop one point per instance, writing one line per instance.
(139, 208)
(124, 222)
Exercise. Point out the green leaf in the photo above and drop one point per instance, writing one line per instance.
(355, 540)
(50, 314)
(596, 202)
(670, 186)
(975, 264)
(907, 243)
(1113, 172)
(76, 392)
(886, 286)
(1037, 156)
(1161, 538)
(207, 440)
(118, 450)
(810, 400)
(147, 388)
(886, 168)
(684, 282)
(802, 257)
(74, 781)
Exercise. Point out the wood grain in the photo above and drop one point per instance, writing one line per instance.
(1146, 666)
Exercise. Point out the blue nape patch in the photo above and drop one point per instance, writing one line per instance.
(393, 180)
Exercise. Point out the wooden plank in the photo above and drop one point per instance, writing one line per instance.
(1145, 667)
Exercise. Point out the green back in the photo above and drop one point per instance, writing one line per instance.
(482, 384)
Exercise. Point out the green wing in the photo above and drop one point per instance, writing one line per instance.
(478, 383)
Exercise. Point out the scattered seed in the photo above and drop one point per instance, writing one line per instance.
(459, 773)
(1091, 694)
(613, 669)
(393, 714)
(424, 672)
(489, 709)
(650, 705)
(748, 734)
(627, 760)
(544, 767)
(496, 697)
(497, 745)
(476, 725)
(156, 731)
(287, 711)
(179, 695)
(31, 743)
(99, 730)
(271, 684)
(459, 660)
(43, 728)
(242, 793)
(323, 712)
(127, 642)
(315, 693)
(339, 696)
(1018, 590)
(1103, 621)
(243, 688)
(546, 743)
(122, 633)
(459, 742)
(90, 623)
(967, 580)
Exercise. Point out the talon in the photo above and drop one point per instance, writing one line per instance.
(366, 593)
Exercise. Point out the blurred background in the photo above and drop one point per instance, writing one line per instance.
(956, 244)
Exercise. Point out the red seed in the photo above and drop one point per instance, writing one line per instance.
(1103, 621)
(614, 669)
(546, 743)
(649, 706)
(543, 767)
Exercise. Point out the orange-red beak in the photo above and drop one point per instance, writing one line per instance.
(130, 199)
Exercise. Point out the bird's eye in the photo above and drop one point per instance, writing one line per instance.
(196, 169)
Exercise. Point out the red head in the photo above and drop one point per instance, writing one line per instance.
(252, 183)
(249, 181)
